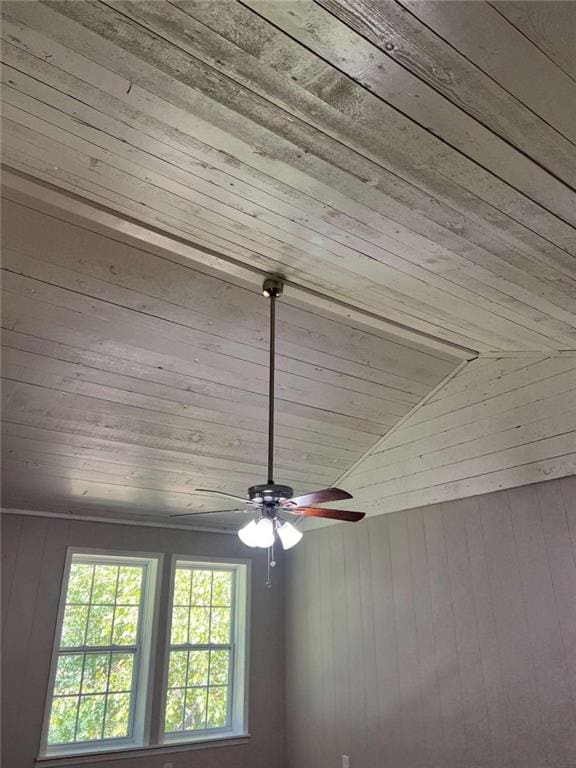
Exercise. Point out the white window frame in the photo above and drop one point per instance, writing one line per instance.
(239, 644)
(152, 677)
(147, 626)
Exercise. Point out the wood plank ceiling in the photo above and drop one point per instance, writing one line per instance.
(412, 160)
(415, 159)
(129, 379)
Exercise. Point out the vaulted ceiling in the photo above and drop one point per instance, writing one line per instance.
(409, 166)
(131, 378)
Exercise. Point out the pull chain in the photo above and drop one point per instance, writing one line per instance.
(271, 563)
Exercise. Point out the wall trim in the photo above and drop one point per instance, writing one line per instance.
(115, 521)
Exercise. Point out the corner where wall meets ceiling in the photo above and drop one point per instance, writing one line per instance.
(397, 161)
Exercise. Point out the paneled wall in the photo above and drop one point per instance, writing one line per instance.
(33, 554)
(499, 423)
(439, 637)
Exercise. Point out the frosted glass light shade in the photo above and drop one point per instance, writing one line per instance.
(265, 533)
(257, 534)
(248, 535)
(289, 535)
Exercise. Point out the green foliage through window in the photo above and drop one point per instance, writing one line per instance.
(94, 682)
(199, 677)
(106, 679)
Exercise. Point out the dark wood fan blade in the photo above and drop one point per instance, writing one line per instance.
(332, 514)
(223, 493)
(212, 512)
(318, 497)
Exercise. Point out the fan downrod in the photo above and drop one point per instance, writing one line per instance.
(272, 288)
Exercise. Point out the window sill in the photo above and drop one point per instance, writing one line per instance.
(86, 758)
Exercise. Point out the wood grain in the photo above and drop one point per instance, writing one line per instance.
(130, 379)
(242, 128)
(502, 428)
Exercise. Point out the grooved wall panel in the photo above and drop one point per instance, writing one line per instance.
(437, 637)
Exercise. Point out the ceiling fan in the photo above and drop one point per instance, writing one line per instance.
(271, 502)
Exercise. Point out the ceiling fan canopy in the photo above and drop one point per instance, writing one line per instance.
(270, 502)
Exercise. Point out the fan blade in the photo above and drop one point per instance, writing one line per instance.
(332, 514)
(223, 493)
(212, 512)
(318, 497)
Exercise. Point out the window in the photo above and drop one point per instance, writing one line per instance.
(97, 682)
(104, 684)
(199, 679)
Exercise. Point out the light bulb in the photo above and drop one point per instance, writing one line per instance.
(264, 533)
(257, 533)
(289, 536)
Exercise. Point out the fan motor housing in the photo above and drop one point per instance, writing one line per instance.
(270, 494)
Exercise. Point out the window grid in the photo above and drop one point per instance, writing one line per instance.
(185, 686)
(114, 653)
(103, 688)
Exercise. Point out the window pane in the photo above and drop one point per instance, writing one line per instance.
(175, 710)
(219, 667)
(94, 691)
(222, 588)
(121, 668)
(177, 669)
(74, 626)
(198, 668)
(220, 626)
(100, 625)
(217, 706)
(68, 674)
(129, 585)
(95, 678)
(117, 715)
(62, 720)
(201, 587)
(104, 588)
(195, 709)
(125, 626)
(199, 684)
(199, 626)
(90, 718)
(179, 634)
(182, 583)
(79, 583)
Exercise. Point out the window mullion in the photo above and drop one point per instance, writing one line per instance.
(159, 654)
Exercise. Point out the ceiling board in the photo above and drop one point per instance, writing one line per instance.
(496, 425)
(409, 166)
(352, 146)
(129, 380)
